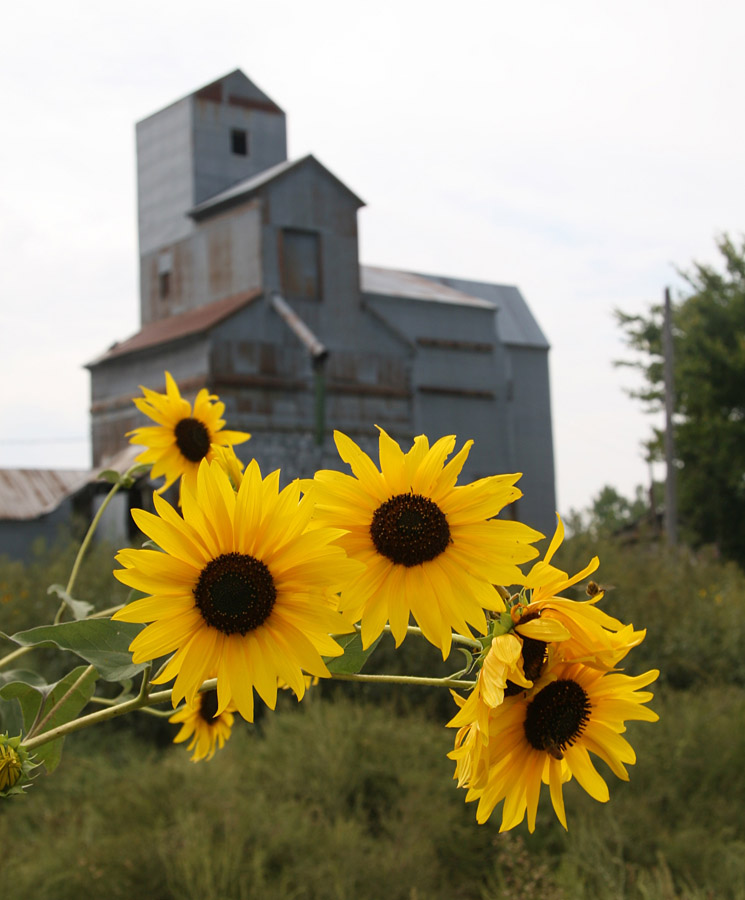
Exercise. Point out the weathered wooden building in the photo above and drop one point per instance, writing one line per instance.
(251, 285)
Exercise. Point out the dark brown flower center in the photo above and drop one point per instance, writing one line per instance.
(208, 706)
(409, 529)
(235, 593)
(557, 716)
(192, 439)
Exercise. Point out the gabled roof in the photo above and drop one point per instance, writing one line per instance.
(248, 186)
(413, 286)
(183, 325)
(30, 493)
(235, 88)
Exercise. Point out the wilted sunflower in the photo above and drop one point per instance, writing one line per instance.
(503, 672)
(199, 722)
(183, 437)
(546, 737)
(591, 635)
(239, 590)
(429, 548)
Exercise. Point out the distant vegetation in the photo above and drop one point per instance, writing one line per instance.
(349, 794)
(708, 334)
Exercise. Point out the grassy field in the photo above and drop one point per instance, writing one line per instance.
(350, 794)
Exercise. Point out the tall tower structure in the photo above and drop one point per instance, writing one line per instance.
(192, 150)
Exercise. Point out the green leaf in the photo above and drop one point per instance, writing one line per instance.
(354, 657)
(101, 642)
(29, 697)
(110, 475)
(29, 684)
(70, 704)
(79, 608)
(122, 478)
(26, 675)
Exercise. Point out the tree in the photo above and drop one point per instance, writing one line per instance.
(610, 513)
(709, 339)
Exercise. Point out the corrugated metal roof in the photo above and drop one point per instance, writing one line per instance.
(515, 322)
(30, 493)
(179, 326)
(248, 186)
(395, 283)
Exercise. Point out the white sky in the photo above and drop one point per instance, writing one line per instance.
(579, 150)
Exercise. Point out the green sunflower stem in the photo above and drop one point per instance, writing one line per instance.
(71, 690)
(106, 613)
(457, 638)
(21, 651)
(89, 537)
(404, 679)
(145, 686)
(108, 701)
(104, 715)
(503, 592)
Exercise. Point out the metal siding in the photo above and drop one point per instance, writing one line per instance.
(530, 413)
(18, 539)
(471, 418)
(115, 383)
(517, 325)
(264, 375)
(216, 167)
(222, 258)
(164, 176)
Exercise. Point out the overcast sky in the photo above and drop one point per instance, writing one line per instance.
(579, 150)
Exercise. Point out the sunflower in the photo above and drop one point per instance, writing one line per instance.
(199, 722)
(240, 589)
(430, 549)
(183, 437)
(591, 635)
(503, 672)
(546, 736)
(541, 623)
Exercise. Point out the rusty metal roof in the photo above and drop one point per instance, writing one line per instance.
(395, 283)
(243, 189)
(182, 325)
(219, 90)
(30, 493)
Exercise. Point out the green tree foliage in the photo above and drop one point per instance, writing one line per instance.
(709, 353)
(610, 513)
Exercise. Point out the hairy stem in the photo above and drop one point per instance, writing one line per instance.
(145, 699)
(404, 679)
(88, 538)
(21, 651)
(73, 687)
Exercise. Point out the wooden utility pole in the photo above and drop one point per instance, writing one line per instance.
(671, 495)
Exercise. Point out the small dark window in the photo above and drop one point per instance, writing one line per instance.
(301, 265)
(239, 141)
(164, 284)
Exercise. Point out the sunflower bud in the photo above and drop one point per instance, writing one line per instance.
(16, 766)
